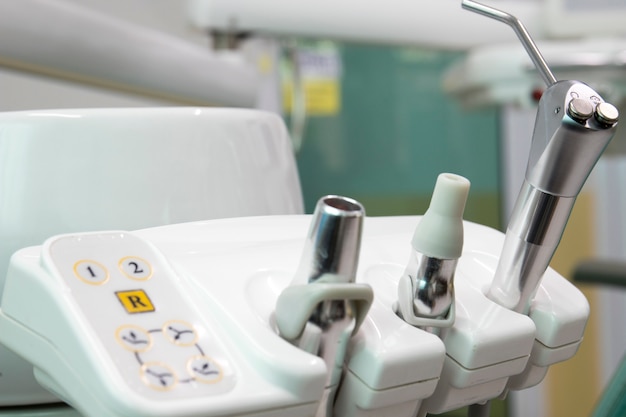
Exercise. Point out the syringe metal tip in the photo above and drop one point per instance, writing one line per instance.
(520, 31)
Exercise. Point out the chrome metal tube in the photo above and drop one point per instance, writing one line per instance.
(331, 255)
(426, 287)
(333, 243)
(532, 237)
(336, 319)
(433, 284)
(572, 128)
(569, 137)
(520, 31)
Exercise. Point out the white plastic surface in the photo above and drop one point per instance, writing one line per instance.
(233, 270)
(136, 343)
(96, 169)
(68, 40)
(579, 18)
(162, 343)
(432, 23)
(503, 73)
(440, 233)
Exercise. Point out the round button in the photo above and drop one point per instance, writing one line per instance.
(606, 113)
(180, 333)
(136, 268)
(580, 110)
(91, 272)
(204, 369)
(158, 376)
(133, 338)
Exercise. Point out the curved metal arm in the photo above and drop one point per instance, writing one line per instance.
(521, 33)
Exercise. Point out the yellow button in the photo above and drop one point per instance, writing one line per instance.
(135, 301)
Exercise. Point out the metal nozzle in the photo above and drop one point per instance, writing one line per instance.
(426, 288)
(433, 285)
(332, 246)
(330, 256)
(520, 31)
(569, 137)
(572, 129)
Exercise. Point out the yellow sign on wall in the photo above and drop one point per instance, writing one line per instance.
(313, 75)
(322, 97)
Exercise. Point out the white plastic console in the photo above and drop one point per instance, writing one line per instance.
(178, 321)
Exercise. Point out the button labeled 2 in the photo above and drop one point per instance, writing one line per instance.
(136, 268)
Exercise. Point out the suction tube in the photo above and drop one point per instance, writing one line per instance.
(324, 306)
(333, 243)
(426, 288)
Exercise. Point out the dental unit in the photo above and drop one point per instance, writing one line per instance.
(286, 314)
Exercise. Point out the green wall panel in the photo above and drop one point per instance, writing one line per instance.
(395, 133)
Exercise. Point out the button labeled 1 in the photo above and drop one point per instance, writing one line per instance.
(91, 272)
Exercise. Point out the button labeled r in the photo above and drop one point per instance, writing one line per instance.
(135, 301)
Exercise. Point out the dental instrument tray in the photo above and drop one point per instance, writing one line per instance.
(181, 320)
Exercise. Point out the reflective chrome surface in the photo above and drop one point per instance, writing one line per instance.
(333, 243)
(433, 284)
(564, 150)
(533, 234)
(521, 33)
(426, 287)
(336, 319)
(571, 132)
(331, 255)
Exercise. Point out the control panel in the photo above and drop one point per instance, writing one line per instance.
(128, 297)
(113, 330)
(181, 321)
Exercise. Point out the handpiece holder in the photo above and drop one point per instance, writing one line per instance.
(296, 304)
(572, 128)
(327, 270)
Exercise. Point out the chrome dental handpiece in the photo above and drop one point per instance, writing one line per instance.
(331, 255)
(573, 126)
(426, 288)
(324, 306)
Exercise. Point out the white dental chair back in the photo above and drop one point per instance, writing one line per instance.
(82, 170)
